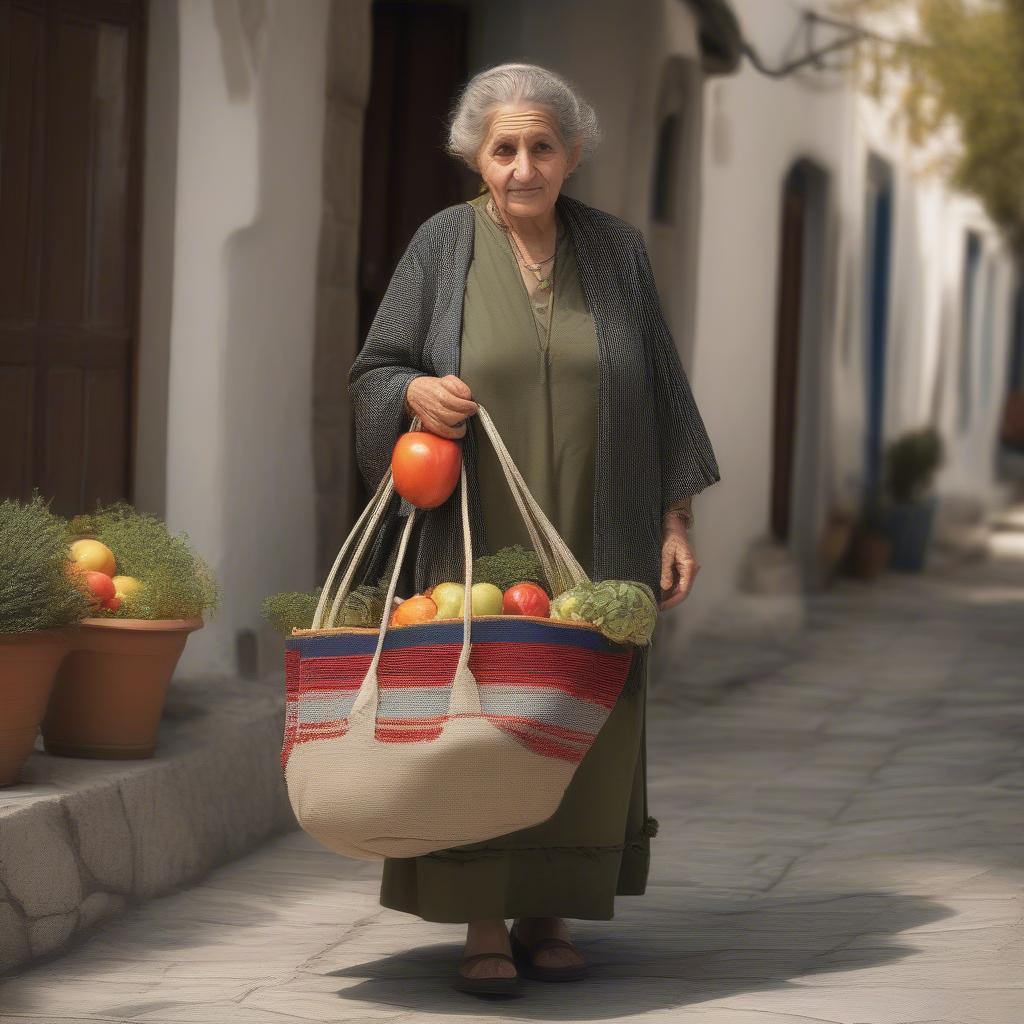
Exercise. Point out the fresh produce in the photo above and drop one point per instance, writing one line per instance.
(101, 586)
(425, 468)
(526, 599)
(178, 583)
(450, 599)
(415, 609)
(291, 609)
(125, 585)
(363, 606)
(93, 555)
(508, 566)
(485, 599)
(624, 610)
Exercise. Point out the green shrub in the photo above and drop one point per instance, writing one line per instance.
(290, 610)
(363, 606)
(910, 463)
(177, 583)
(35, 589)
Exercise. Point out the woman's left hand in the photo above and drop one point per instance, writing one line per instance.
(679, 565)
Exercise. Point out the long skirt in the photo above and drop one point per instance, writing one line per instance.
(594, 847)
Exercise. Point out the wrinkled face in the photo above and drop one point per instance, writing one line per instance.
(524, 160)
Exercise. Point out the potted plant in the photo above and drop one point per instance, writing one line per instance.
(871, 549)
(911, 461)
(40, 606)
(110, 691)
(835, 540)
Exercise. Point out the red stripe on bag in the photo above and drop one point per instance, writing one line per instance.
(594, 676)
(543, 745)
(429, 665)
(292, 660)
(558, 731)
(388, 732)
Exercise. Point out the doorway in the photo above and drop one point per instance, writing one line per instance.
(70, 145)
(801, 380)
(878, 215)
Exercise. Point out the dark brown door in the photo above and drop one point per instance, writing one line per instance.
(70, 101)
(419, 64)
(787, 348)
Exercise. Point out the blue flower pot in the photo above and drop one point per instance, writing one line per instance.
(910, 527)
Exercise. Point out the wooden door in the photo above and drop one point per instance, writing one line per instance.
(789, 309)
(70, 104)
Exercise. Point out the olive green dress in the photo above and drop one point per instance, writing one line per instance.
(541, 391)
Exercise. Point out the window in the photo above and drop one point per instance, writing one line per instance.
(666, 163)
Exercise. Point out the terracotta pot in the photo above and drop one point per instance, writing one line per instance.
(109, 693)
(28, 665)
(835, 542)
(871, 553)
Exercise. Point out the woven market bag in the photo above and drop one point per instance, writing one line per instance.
(404, 740)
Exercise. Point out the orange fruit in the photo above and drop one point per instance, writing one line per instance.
(415, 609)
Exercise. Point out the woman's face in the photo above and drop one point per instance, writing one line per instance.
(524, 160)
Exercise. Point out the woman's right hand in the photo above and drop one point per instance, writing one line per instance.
(443, 404)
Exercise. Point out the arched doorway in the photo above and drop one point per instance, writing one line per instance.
(798, 423)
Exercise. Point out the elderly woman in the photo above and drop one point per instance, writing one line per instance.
(544, 310)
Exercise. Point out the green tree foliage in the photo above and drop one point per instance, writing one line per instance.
(965, 65)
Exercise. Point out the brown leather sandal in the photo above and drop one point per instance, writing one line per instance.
(524, 954)
(493, 985)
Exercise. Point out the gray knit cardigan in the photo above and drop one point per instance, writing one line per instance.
(652, 446)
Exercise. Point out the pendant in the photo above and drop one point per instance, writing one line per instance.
(545, 284)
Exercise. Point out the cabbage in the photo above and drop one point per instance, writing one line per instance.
(624, 610)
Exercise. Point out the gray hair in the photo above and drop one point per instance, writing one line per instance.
(513, 83)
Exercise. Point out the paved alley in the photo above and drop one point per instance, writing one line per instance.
(842, 840)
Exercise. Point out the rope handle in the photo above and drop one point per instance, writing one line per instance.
(560, 567)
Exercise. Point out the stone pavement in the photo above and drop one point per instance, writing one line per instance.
(841, 840)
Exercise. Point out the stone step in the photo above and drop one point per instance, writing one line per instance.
(82, 839)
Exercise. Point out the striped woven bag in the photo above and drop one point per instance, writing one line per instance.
(404, 740)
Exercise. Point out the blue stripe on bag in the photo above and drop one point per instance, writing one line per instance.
(485, 629)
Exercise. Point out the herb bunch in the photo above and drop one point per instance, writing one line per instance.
(36, 590)
(176, 582)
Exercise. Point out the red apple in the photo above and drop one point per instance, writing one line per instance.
(526, 599)
(101, 586)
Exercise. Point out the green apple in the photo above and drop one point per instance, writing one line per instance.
(487, 599)
(450, 599)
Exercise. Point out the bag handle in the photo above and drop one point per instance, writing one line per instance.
(561, 568)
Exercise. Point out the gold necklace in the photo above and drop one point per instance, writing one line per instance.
(534, 268)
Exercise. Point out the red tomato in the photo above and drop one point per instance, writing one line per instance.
(112, 603)
(426, 467)
(101, 585)
(526, 599)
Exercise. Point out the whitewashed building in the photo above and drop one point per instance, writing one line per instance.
(823, 298)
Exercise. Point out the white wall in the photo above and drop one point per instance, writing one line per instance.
(755, 128)
(157, 271)
(247, 214)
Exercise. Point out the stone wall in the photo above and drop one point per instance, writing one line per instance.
(82, 839)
